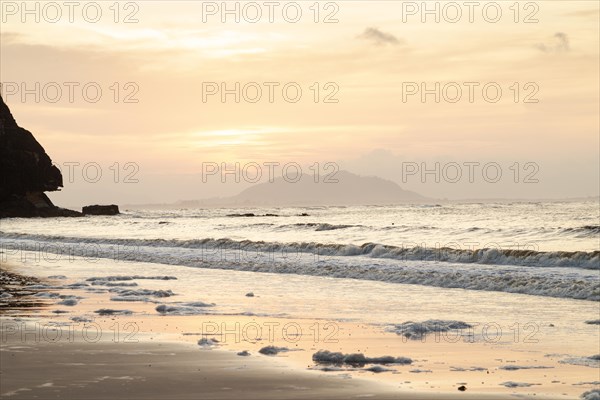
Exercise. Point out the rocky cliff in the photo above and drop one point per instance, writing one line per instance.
(26, 173)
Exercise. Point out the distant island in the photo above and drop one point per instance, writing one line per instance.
(350, 189)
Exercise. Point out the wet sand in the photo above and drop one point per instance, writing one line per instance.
(36, 368)
(157, 371)
(152, 356)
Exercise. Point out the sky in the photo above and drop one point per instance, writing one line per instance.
(136, 101)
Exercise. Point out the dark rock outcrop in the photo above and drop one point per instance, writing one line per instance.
(27, 172)
(101, 210)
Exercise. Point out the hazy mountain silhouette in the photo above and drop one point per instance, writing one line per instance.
(350, 189)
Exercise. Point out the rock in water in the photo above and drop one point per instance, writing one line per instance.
(111, 209)
(27, 172)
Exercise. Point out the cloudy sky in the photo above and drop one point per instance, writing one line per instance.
(361, 68)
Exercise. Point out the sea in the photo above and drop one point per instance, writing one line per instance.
(547, 249)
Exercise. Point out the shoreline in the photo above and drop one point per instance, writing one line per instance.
(179, 334)
(157, 371)
(151, 369)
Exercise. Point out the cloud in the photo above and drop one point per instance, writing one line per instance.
(590, 13)
(559, 45)
(379, 37)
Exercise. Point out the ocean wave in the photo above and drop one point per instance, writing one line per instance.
(494, 256)
(322, 226)
(583, 231)
(407, 228)
(560, 274)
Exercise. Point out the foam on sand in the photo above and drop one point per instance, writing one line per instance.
(590, 361)
(207, 343)
(128, 278)
(142, 292)
(80, 319)
(356, 359)
(418, 330)
(591, 395)
(47, 295)
(114, 284)
(68, 302)
(141, 299)
(192, 308)
(77, 285)
(110, 311)
(273, 350)
(378, 369)
(470, 369)
(518, 367)
(511, 384)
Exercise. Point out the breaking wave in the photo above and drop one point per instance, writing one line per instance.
(498, 256)
(557, 274)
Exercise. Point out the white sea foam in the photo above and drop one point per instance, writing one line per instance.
(493, 255)
(556, 274)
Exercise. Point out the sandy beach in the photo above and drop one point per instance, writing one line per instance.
(85, 345)
(160, 370)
